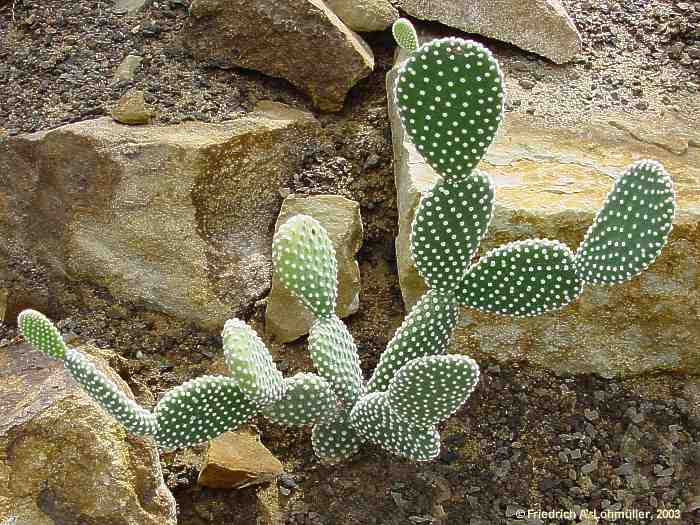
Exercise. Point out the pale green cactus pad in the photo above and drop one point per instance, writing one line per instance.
(631, 229)
(336, 441)
(425, 331)
(250, 363)
(41, 333)
(450, 98)
(430, 389)
(135, 419)
(405, 34)
(522, 278)
(450, 223)
(308, 399)
(200, 410)
(373, 419)
(335, 356)
(305, 263)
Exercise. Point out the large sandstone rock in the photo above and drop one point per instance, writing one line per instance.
(365, 15)
(302, 41)
(238, 459)
(285, 317)
(63, 459)
(179, 218)
(550, 182)
(540, 26)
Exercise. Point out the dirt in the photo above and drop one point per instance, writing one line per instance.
(526, 439)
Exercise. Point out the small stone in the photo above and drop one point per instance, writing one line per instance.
(588, 468)
(127, 69)
(642, 105)
(591, 415)
(527, 83)
(676, 49)
(626, 469)
(131, 109)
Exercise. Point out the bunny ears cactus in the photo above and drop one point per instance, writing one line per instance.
(450, 98)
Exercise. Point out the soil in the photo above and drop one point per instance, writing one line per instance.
(526, 439)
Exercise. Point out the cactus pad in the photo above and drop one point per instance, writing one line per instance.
(450, 222)
(41, 333)
(200, 410)
(405, 34)
(251, 364)
(449, 95)
(428, 390)
(632, 227)
(335, 356)
(335, 441)
(373, 419)
(522, 279)
(128, 412)
(308, 399)
(305, 263)
(425, 331)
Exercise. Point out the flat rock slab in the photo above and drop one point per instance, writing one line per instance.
(238, 459)
(63, 459)
(285, 317)
(365, 15)
(179, 218)
(550, 182)
(302, 41)
(539, 26)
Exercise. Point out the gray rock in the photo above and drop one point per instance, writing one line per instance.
(304, 43)
(540, 26)
(130, 7)
(128, 67)
(179, 218)
(365, 15)
(285, 317)
(62, 456)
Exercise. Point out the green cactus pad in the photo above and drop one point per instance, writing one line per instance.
(427, 390)
(200, 410)
(450, 222)
(425, 331)
(335, 441)
(632, 227)
(136, 419)
(449, 95)
(405, 34)
(334, 354)
(522, 279)
(305, 263)
(373, 419)
(251, 364)
(41, 333)
(308, 399)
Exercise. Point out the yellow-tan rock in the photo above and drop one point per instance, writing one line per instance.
(238, 459)
(63, 457)
(131, 109)
(285, 317)
(550, 182)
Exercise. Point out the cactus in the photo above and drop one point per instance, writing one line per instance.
(450, 97)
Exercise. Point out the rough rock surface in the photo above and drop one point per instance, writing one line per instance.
(286, 318)
(131, 109)
(179, 218)
(539, 26)
(129, 6)
(63, 459)
(302, 41)
(128, 68)
(365, 15)
(550, 183)
(238, 459)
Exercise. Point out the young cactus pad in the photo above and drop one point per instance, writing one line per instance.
(450, 98)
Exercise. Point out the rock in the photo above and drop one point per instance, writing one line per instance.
(127, 69)
(179, 218)
(539, 26)
(62, 458)
(130, 7)
(286, 318)
(365, 15)
(550, 182)
(301, 41)
(238, 459)
(131, 109)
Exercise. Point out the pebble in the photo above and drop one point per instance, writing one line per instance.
(527, 84)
